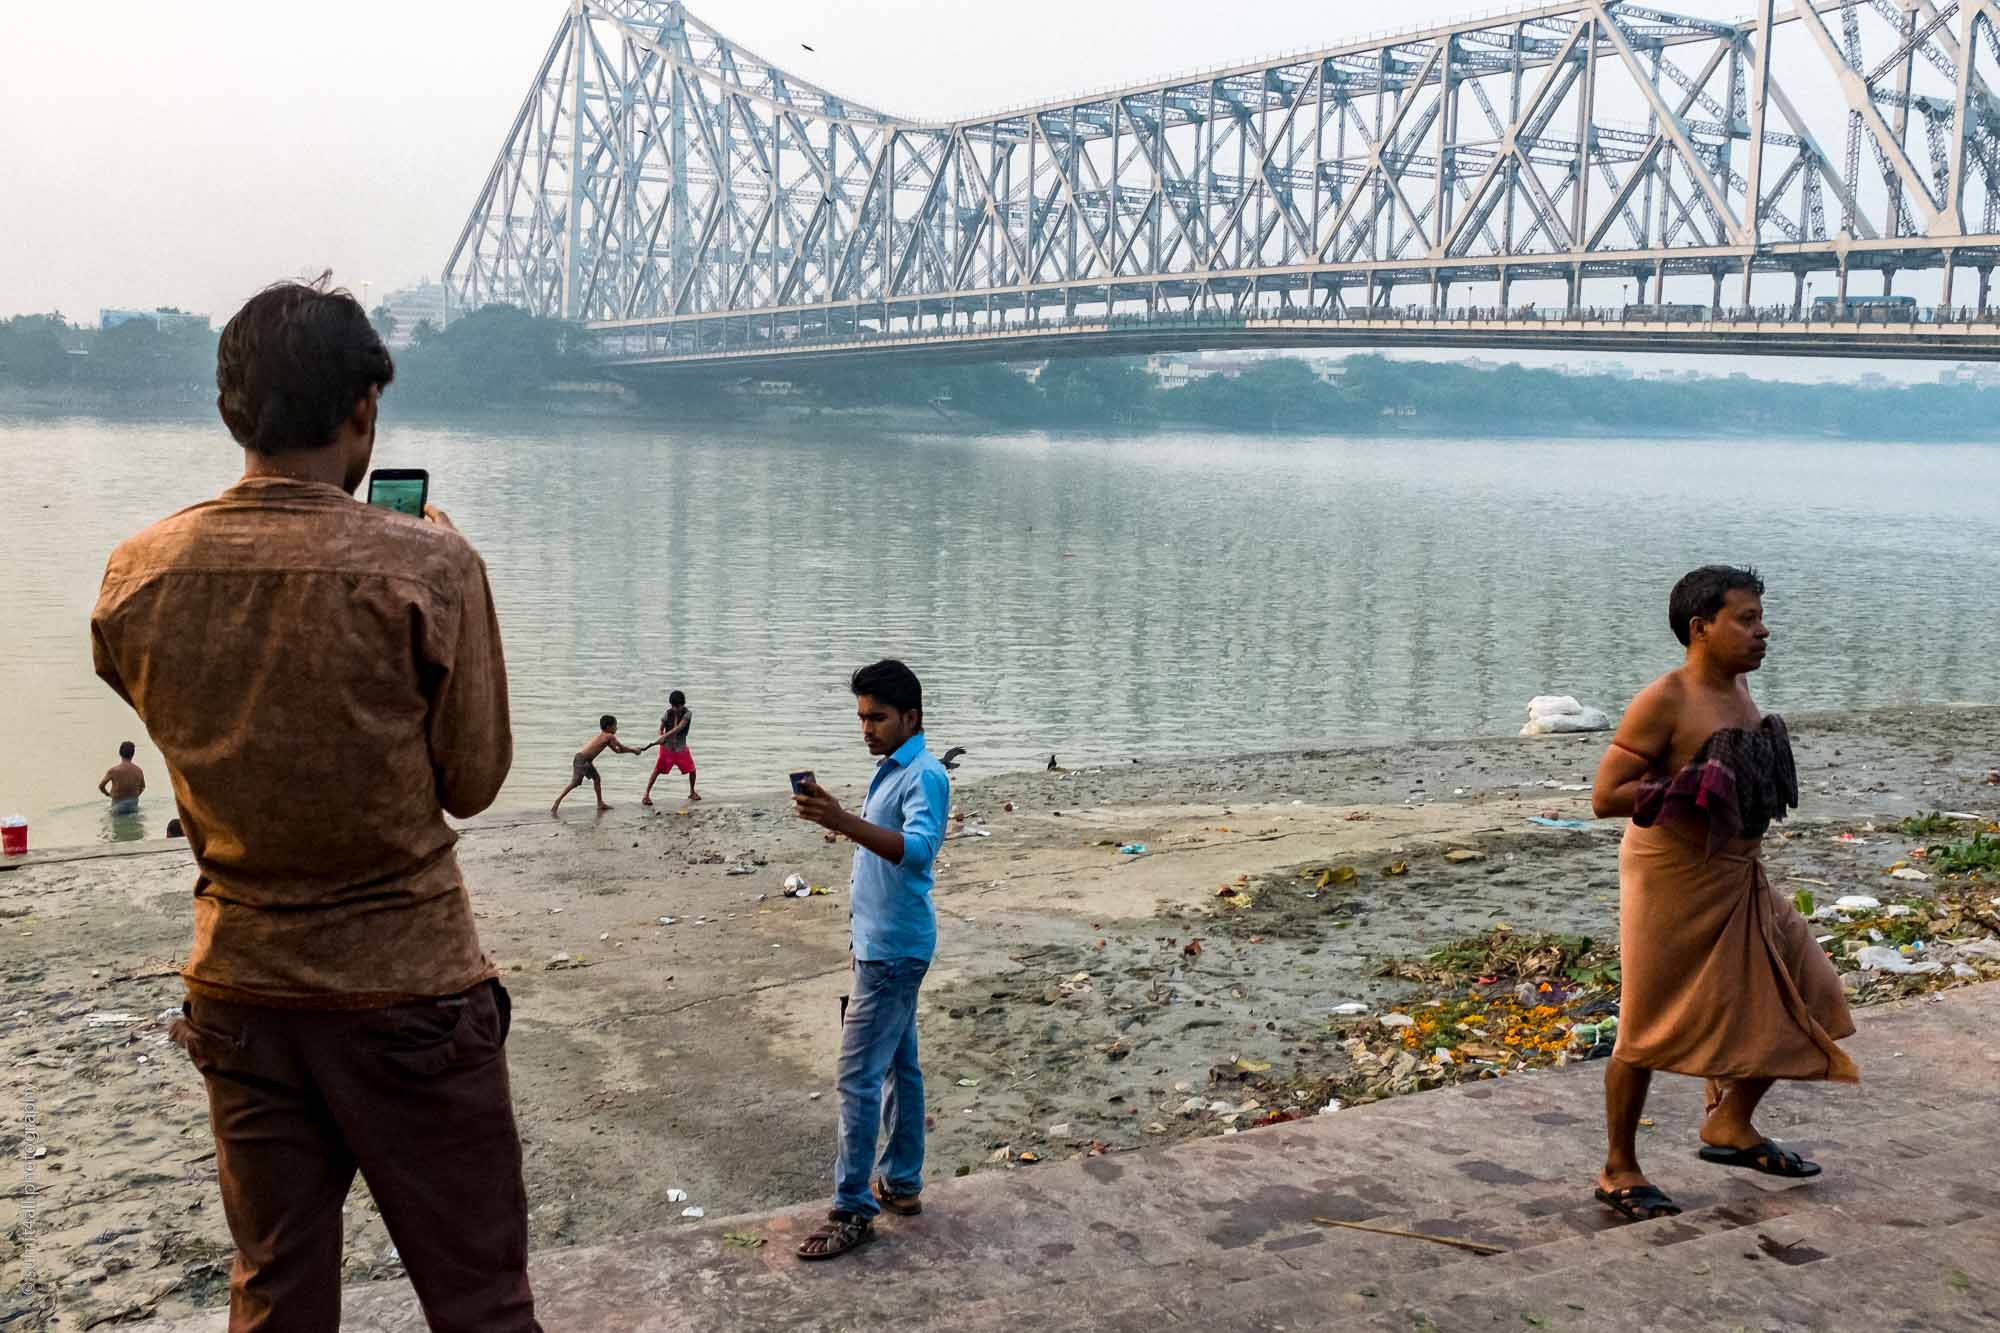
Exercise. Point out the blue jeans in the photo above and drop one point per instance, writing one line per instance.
(879, 1080)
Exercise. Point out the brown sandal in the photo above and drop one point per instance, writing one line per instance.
(903, 1205)
(842, 1232)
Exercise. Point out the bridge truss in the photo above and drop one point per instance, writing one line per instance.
(689, 200)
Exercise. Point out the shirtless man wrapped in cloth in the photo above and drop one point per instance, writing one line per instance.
(1722, 978)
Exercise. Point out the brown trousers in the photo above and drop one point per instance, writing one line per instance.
(416, 1098)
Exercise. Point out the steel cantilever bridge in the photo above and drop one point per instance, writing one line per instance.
(1815, 178)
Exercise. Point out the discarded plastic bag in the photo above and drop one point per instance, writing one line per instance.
(1552, 713)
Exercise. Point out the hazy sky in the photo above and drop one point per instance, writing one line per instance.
(187, 154)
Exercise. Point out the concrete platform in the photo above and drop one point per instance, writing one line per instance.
(1902, 1233)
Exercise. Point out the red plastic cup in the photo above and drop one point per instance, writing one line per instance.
(14, 839)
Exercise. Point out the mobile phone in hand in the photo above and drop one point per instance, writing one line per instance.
(405, 490)
(801, 780)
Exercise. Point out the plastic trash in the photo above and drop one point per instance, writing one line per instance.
(1857, 902)
(1132, 849)
(13, 836)
(1881, 958)
(1549, 714)
(1546, 822)
(1350, 1008)
(1397, 1021)
(697, 1213)
(1906, 872)
(677, 1196)
(794, 883)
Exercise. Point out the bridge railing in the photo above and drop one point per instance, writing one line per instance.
(726, 336)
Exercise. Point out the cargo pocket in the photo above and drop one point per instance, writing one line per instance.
(439, 1037)
(209, 1048)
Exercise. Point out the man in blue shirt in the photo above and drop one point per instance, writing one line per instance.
(896, 839)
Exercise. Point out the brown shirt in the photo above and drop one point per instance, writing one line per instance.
(325, 682)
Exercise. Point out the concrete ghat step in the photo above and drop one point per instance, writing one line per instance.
(1221, 1229)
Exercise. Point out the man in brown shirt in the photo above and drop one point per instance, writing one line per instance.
(325, 682)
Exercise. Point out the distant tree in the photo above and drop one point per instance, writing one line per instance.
(423, 331)
(1089, 390)
(384, 322)
(498, 354)
(34, 349)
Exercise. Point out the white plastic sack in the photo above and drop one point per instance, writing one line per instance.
(1880, 958)
(1552, 713)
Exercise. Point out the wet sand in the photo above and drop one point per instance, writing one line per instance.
(1064, 1010)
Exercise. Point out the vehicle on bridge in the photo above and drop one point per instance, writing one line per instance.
(1671, 312)
(1865, 309)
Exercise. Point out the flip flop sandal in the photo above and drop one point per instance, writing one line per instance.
(903, 1205)
(1639, 1203)
(1767, 1158)
(842, 1232)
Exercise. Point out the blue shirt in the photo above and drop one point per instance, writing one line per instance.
(891, 913)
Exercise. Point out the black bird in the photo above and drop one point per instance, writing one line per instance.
(950, 759)
(1052, 763)
(804, 47)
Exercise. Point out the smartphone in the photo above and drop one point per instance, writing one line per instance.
(801, 780)
(404, 490)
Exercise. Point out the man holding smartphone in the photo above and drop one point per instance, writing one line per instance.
(896, 839)
(325, 681)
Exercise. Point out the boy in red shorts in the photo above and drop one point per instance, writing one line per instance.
(673, 746)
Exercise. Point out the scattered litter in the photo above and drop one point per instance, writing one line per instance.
(1460, 855)
(667, 921)
(741, 868)
(1546, 822)
(1881, 958)
(796, 886)
(1330, 1107)
(1857, 902)
(1397, 1021)
(813, 1096)
(1396, 868)
(1906, 872)
(1350, 1008)
(111, 1020)
(968, 1083)
(1549, 714)
(743, 1240)
(677, 1196)
(1133, 849)
(696, 1212)
(1059, 1131)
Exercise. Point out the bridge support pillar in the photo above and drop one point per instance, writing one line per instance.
(1985, 285)
(1749, 262)
(1950, 276)
(1841, 287)
(1506, 290)
(1798, 292)
(1715, 297)
(1437, 291)
(1659, 282)
(1888, 281)
(1575, 286)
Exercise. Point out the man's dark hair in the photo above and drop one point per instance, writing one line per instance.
(892, 683)
(126, 750)
(607, 723)
(1701, 593)
(293, 362)
(677, 700)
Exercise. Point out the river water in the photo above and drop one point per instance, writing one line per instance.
(1097, 598)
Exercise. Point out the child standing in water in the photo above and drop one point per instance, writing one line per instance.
(673, 746)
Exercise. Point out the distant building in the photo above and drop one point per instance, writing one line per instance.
(409, 307)
(1980, 376)
(165, 318)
